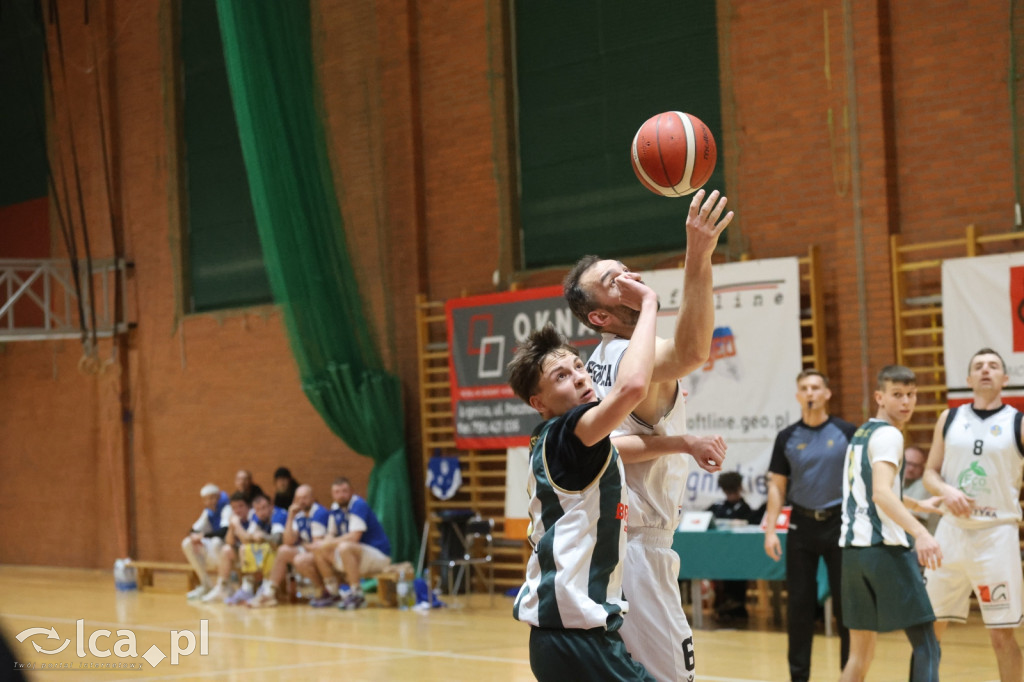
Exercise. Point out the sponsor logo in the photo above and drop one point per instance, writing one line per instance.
(98, 645)
(993, 597)
(973, 480)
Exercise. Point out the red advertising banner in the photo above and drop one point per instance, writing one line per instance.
(483, 334)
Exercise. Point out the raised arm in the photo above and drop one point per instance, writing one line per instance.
(695, 322)
(634, 375)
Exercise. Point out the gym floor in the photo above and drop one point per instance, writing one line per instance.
(296, 642)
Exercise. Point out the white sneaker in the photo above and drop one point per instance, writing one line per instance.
(263, 599)
(197, 593)
(217, 594)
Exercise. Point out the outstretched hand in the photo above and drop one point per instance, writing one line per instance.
(702, 222)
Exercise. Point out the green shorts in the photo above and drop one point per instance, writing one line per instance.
(596, 654)
(883, 589)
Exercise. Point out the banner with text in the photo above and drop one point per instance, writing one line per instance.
(983, 306)
(746, 391)
(483, 333)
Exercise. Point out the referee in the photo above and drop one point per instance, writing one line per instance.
(807, 466)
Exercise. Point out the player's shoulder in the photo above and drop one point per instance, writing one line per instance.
(846, 427)
(360, 507)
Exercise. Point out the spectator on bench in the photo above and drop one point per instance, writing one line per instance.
(306, 523)
(240, 517)
(258, 543)
(203, 545)
(244, 485)
(356, 545)
(285, 486)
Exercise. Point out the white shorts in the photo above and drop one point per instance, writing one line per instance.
(212, 547)
(371, 560)
(985, 560)
(655, 628)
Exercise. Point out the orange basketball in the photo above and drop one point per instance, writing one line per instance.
(674, 154)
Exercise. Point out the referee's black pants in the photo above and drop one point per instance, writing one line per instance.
(805, 544)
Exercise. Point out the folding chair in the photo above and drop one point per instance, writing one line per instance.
(475, 540)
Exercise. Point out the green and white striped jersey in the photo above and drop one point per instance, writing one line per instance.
(574, 576)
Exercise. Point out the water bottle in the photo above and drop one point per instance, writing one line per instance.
(402, 591)
(124, 575)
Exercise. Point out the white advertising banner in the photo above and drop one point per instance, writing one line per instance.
(746, 391)
(983, 307)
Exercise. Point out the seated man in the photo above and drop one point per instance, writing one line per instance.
(203, 545)
(257, 549)
(240, 516)
(731, 595)
(244, 485)
(306, 522)
(285, 486)
(356, 544)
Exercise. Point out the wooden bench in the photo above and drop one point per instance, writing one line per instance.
(144, 571)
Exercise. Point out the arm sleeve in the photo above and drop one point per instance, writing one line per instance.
(357, 517)
(318, 524)
(886, 445)
(780, 463)
(572, 464)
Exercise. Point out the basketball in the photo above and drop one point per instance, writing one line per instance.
(673, 154)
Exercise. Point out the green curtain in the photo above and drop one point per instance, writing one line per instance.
(268, 52)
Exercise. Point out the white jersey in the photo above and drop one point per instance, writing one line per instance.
(983, 459)
(656, 487)
(864, 523)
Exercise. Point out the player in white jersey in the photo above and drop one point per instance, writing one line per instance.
(976, 464)
(882, 585)
(572, 597)
(656, 631)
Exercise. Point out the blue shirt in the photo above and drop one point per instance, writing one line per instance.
(812, 458)
(357, 516)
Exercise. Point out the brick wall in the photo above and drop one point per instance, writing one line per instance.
(416, 98)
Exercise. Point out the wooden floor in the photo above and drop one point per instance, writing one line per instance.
(300, 643)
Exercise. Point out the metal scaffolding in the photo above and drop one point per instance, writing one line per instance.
(39, 299)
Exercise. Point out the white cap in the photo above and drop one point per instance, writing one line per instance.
(209, 489)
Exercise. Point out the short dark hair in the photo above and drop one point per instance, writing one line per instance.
(986, 351)
(525, 368)
(257, 496)
(730, 481)
(283, 472)
(341, 480)
(811, 372)
(579, 299)
(239, 496)
(896, 374)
